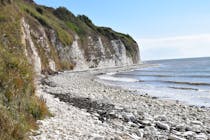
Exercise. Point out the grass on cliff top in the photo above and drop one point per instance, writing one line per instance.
(71, 21)
(19, 107)
(47, 19)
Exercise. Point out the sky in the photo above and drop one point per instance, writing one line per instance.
(164, 29)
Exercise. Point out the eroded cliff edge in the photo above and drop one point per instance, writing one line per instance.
(55, 39)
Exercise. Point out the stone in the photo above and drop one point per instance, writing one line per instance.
(196, 128)
(98, 138)
(140, 133)
(174, 137)
(161, 118)
(148, 117)
(188, 128)
(188, 134)
(180, 127)
(129, 117)
(117, 138)
(151, 131)
(135, 137)
(196, 123)
(162, 125)
(133, 124)
(201, 136)
(146, 122)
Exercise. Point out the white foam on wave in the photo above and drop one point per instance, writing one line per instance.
(202, 90)
(108, 77)
(111, 73)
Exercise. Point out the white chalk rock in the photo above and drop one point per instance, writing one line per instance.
(162, 125)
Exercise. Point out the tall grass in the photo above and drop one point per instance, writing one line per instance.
(19, 107)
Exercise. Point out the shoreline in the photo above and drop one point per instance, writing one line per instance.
(86, 109)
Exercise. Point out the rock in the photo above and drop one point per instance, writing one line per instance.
(146, 122)
(133, 124)
(148, 117)
(113, 113)
(140, 133)
(129, 117)
(162, 125)
(135, 137)
(188, 134)
(201, 136)
(119, 108)
(188, 128)
(161, 118)
(141, 125)
(174, 137)
(98, 138)
(117, 138)
(196, 123)
(177, 133)
(196, 128)
(150, 131)
(180, 127)
(36, 133)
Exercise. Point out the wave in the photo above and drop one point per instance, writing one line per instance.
(188, 83)
(179, 82)
(162, 75)
(201, 90)
(119, 79)
(109, 77)
(111, 73)
(177, 71)
(185, 88)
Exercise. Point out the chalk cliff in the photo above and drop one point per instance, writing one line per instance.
(55, 39)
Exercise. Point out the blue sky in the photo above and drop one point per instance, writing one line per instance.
(163, 28)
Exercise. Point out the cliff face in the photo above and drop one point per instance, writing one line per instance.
(55, 39)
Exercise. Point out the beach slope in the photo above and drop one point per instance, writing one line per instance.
(84, 108)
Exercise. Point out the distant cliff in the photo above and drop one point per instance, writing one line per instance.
(36, 39)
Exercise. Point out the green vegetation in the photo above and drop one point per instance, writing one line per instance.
(47, 19)
(19, 107)
(87, 21)
(66, 65)
(71, 21)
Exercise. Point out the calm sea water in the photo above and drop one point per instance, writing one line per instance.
(186, 80)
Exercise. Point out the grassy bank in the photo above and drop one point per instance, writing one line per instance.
(19, 107)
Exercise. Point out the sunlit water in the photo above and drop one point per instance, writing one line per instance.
(186, 80)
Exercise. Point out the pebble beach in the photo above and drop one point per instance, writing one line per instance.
(84, 108)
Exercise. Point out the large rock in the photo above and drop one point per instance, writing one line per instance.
(162, 125)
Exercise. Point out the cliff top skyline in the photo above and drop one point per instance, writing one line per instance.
(163, 29)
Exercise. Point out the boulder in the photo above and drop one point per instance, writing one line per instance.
(162, 125)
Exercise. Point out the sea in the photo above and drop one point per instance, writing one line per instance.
(183, 80)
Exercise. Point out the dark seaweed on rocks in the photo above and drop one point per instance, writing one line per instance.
(102, 109)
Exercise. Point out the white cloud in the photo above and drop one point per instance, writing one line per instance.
(175, 47)
(200, 37)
